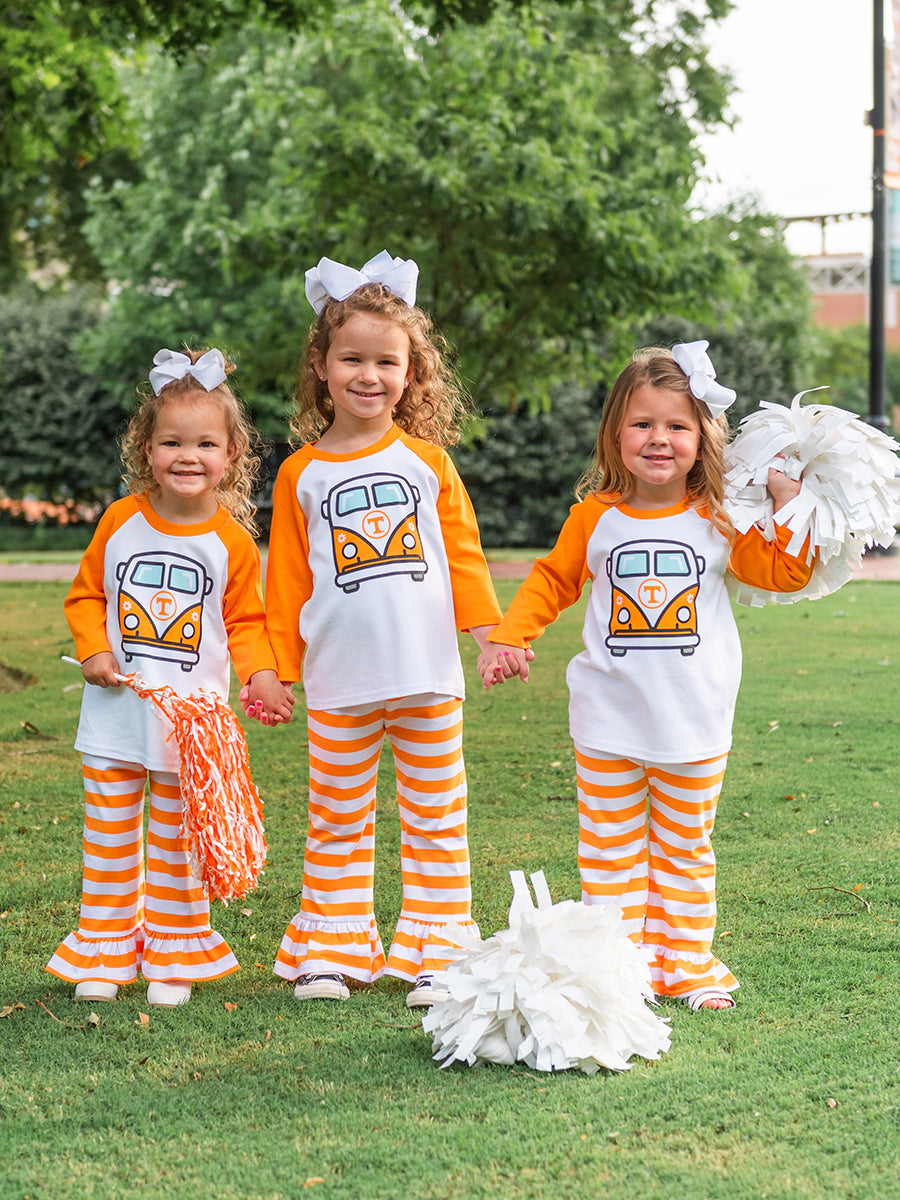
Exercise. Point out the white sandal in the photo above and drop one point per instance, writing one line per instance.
(96, 989)
(696, 1001)
(168, 995)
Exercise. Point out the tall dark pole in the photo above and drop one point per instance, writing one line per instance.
(877, 415)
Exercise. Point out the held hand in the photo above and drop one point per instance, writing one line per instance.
(781, 488)
(266, 699)
(101, 670)
(497, 663)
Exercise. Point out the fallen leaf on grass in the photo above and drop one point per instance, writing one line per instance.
(9, 1009)
(35, 732)
(813, 830)
(93, 1021)
(832, 1103)
(229, 1006)
(143, 1020)
(313, 1180)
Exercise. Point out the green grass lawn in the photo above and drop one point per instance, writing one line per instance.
(246, 1094)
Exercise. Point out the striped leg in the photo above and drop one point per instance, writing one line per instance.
(663, 880)
(335, 929)
(612, 845)
(107, 942)
(179, 942)
(681, 907)
(426, 739)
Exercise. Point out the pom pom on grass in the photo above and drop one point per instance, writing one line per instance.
(562, 987)
(850, 498)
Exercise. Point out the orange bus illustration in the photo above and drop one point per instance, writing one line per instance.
(374, 529)
(654, 596)
(161, 607)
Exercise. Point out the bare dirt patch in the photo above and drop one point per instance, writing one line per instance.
(14, 680)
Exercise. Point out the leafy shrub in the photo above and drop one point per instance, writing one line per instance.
(521, 474)
(58, 427)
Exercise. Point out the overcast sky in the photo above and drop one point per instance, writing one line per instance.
(804, 73)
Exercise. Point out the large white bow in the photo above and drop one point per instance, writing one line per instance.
(330, 280)
(696, 364)
(169, 365)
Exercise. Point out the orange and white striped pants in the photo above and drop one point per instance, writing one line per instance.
(158, 921)
(335, 929)
(645, 845)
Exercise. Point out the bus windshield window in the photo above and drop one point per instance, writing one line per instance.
(672, 562)
(352, 500)
(636, 562)
(148, 574)
(183, 579)
(389, 493)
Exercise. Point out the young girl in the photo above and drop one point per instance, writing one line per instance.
(169, 587)
(374, 563)
(652, 694)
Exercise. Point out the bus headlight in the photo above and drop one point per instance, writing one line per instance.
(683, 614)
(131, 622)
(624, 616)
(349, 550)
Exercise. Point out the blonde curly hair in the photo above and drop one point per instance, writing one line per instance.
(608, 475)
(433, 404)
(235, 492)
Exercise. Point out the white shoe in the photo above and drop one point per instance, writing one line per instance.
(168, 995)
(426, 992)
(96, 989)
(319, 986)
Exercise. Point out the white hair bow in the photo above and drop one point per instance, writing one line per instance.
(169, 365)
(696, 364)
(330, 280)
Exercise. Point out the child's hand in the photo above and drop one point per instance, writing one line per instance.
(101, 670)
(266, 699)
(781, 488)
(497, 663)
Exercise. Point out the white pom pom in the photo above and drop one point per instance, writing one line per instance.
(563, 986)
(849, 499)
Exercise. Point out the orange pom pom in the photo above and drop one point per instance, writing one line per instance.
(222, 820)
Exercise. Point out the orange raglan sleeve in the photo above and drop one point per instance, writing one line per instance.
(289, 581)
(242, 606)
(474, 599)
(554, 583)
(767, 565)
(85, 605)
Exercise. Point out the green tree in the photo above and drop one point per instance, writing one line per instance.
(63, 107)
(539, 168)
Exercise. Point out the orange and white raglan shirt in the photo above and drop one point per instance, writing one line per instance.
(658, 677)
(374, 563)
(172, 602)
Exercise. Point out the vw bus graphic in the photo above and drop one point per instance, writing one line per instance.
(654, 596)
(161, 607)
(374, 529)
